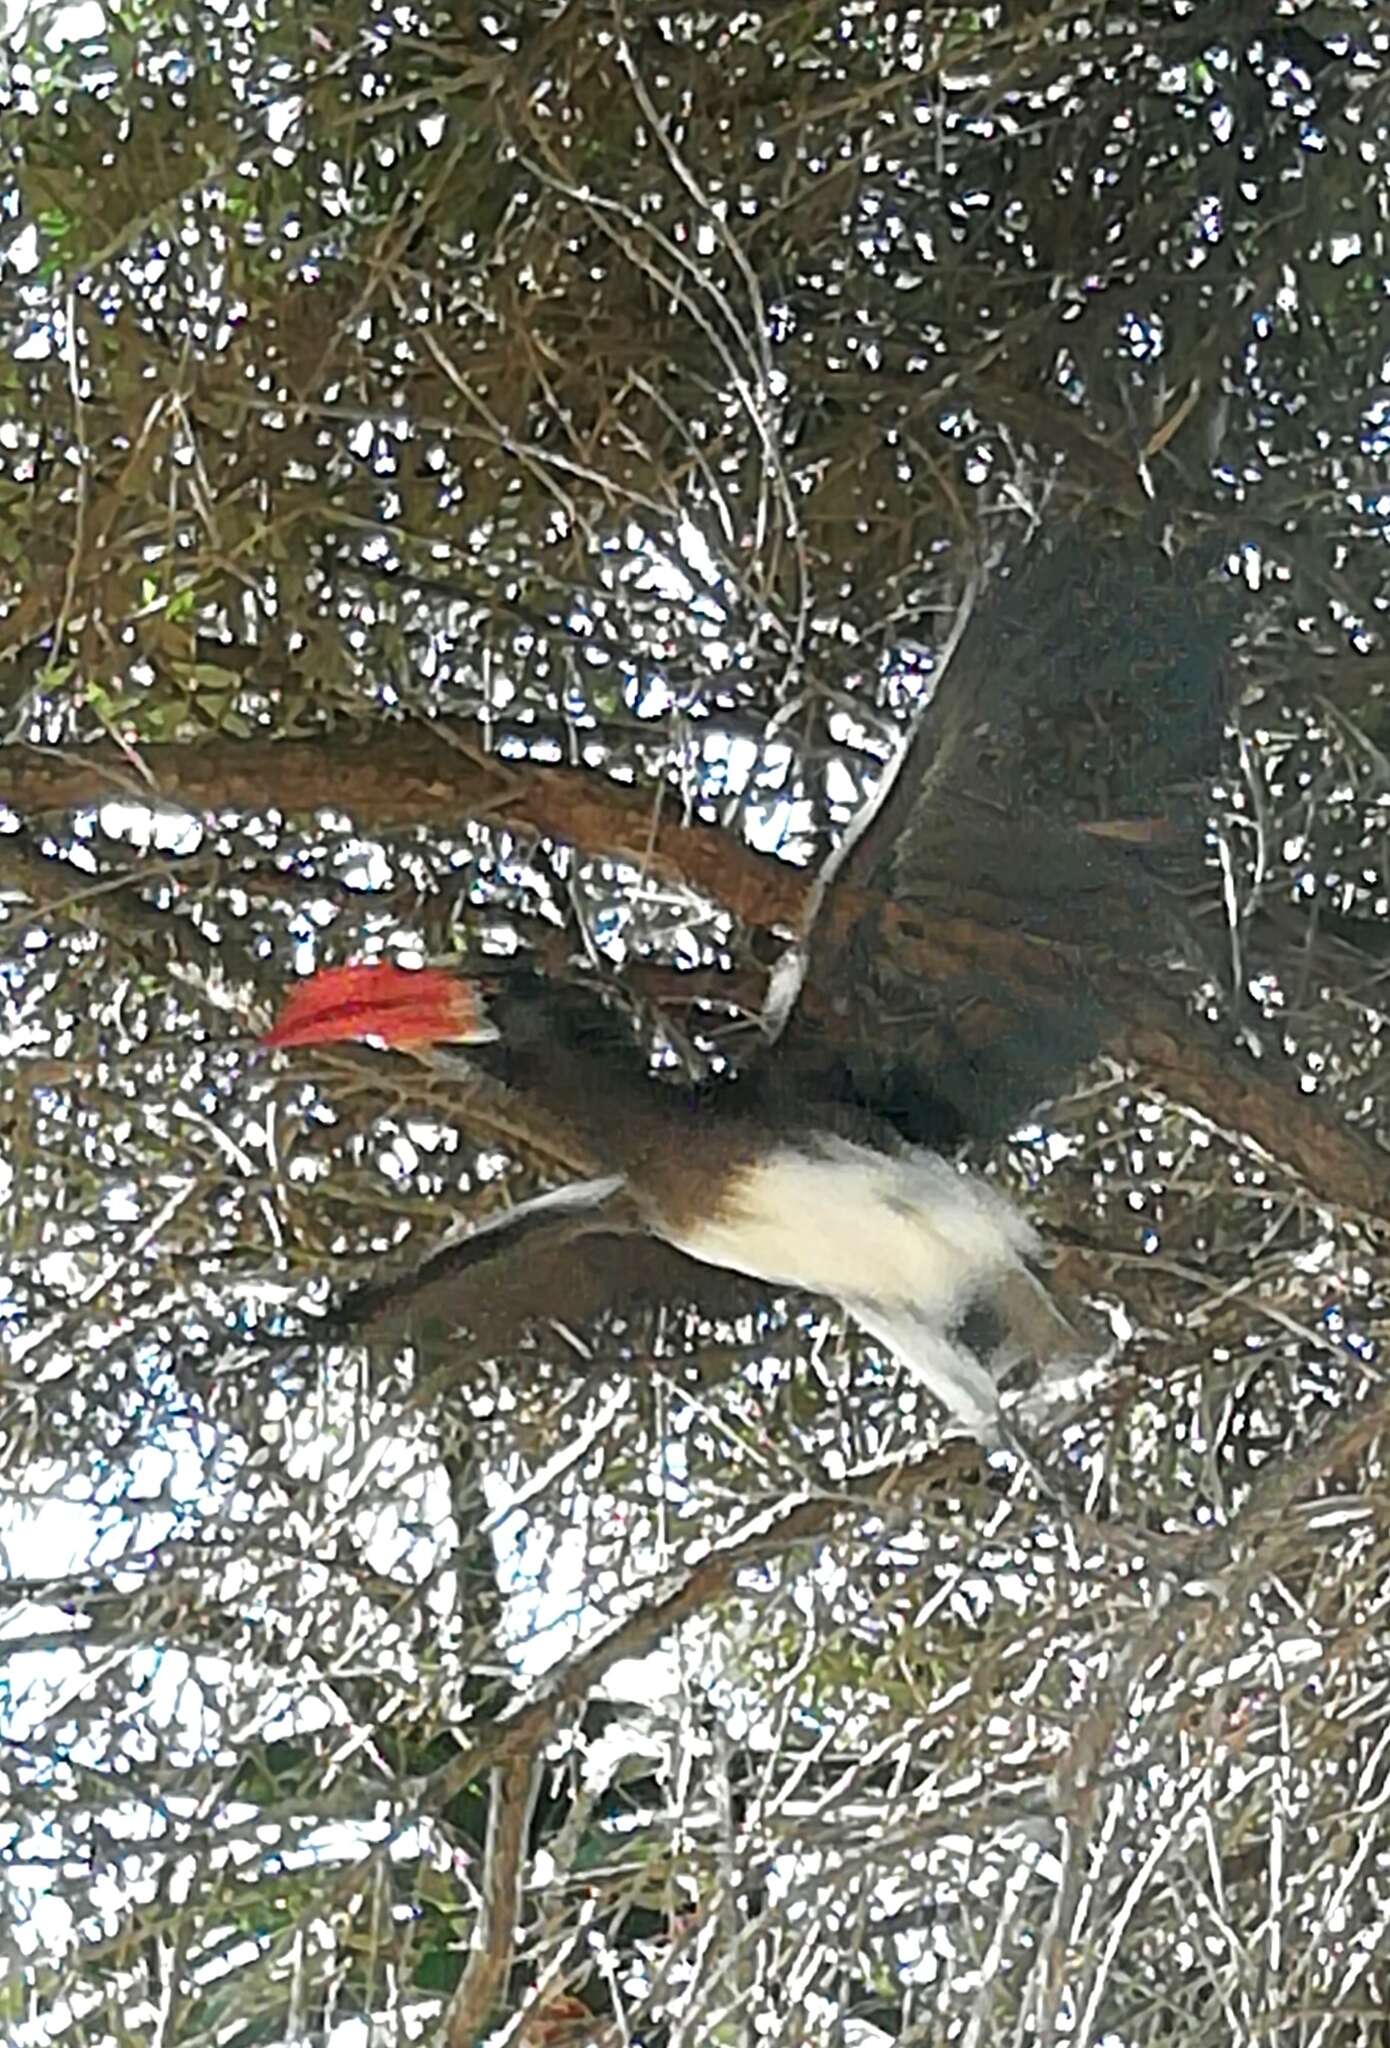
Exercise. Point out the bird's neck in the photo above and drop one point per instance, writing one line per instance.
(674, 1144)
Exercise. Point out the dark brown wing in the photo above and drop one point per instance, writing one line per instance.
(964, 963)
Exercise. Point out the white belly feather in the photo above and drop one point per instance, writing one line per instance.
(844, 1221)
(906, 1244)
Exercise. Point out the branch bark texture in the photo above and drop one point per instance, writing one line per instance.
(419, 775)
(934, 940)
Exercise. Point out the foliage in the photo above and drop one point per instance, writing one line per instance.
(634, 392)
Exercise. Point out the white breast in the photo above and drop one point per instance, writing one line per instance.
(834, 1218)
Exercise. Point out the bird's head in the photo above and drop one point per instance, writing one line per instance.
(408, 1008)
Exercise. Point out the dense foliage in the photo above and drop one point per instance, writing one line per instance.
(474, 480)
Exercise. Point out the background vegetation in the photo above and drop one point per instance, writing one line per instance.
(473, 479)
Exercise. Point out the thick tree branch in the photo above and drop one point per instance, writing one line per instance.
(512, 1801)
(1049, 983)
(420, 775)
(957, 936)
(1336, 1162)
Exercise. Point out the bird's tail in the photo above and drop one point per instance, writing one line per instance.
(1011, 1358)
(958, 1378)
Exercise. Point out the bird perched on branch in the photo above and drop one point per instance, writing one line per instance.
(933, 1262)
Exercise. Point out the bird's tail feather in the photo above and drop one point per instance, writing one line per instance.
(959, 1380)
(1032, 1362)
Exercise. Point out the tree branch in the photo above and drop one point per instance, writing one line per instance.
(420, 775)
(521, 1730)
(1042, 985)
(510, 1806)
(1336, 1162)
(432, 775)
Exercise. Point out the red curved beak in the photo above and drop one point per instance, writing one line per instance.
(401, 1006)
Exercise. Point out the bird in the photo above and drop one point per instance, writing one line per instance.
(934, 1262)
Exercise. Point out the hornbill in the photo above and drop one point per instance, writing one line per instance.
(932, 1261)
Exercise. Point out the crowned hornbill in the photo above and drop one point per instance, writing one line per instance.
(933, 1262)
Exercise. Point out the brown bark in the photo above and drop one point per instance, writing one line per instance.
(1140, 1022)
(425, 776)
(1339, 1164)
(419, 775)
(514, 1786)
